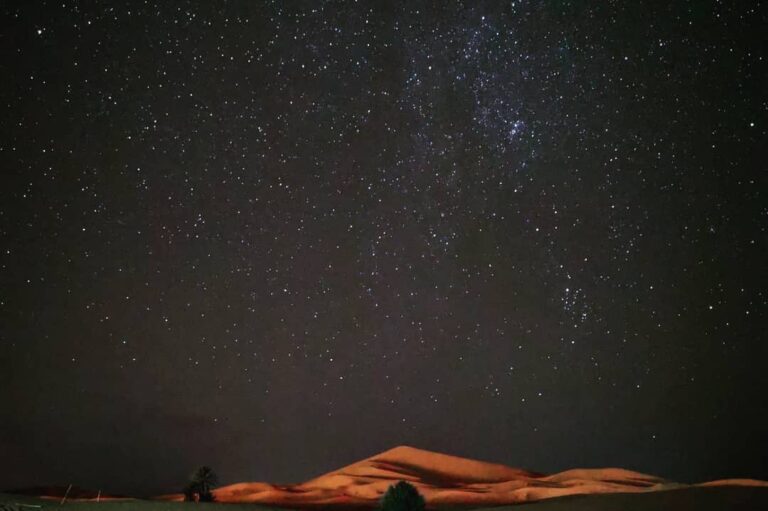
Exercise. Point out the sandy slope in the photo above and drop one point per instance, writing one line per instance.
(443, 480)
(446, 481)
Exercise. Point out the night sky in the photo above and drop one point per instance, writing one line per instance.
(278, 237)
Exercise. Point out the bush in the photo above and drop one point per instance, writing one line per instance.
(402, 497)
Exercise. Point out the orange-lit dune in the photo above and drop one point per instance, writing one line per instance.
(736, 482)
(445, 481)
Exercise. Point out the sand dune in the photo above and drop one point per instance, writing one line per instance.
(446, 481)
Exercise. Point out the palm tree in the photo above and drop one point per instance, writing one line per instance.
(203, 480)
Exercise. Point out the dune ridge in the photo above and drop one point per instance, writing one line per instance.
(445, 480)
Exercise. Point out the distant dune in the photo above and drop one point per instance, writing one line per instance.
(446, 481)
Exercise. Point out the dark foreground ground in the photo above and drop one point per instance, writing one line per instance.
(688, 499)
(22, 503)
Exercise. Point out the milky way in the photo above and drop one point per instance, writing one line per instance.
(276, 237)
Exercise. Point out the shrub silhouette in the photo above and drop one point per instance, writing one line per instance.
(189, 493)
(402, 497)
(201, 483)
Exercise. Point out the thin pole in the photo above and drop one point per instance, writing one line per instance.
(64, 498)
(98, 497)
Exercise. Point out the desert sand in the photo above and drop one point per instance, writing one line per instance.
(447, 481)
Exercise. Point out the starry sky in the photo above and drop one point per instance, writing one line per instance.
(278, 237)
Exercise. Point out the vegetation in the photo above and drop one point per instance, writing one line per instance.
(402, 497)
(201, 483)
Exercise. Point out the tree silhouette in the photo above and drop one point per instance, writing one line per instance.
(189, 493)
(201, 483)
(402, 497)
